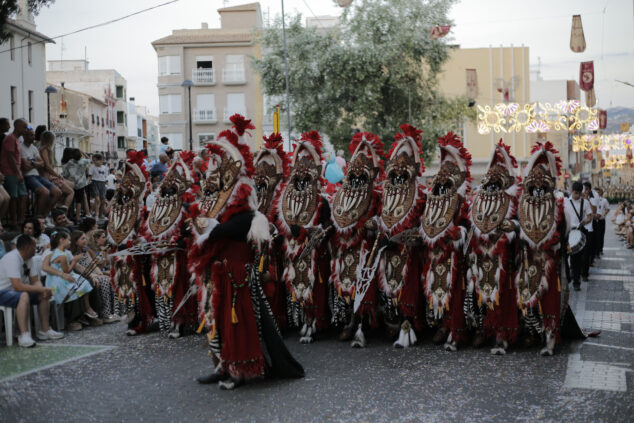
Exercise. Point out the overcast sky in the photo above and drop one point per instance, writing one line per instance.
(542, 25)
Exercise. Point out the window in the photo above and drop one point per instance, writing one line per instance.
(120, 118)
(120, 91)
(169, 65)
(102, 122)
(234, 68)
(93, 118)
(170, 103)
(14, 102)
(121, 142)
(30, 99)
(204, 62)
(235, 103)
(204, 138)
(30, 52)
(12, 47)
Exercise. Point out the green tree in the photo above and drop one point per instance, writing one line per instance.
(373, 72)
(9, 7)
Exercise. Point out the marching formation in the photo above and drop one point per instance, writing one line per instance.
(256, 245)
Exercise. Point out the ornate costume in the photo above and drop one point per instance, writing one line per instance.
(272, 167)
(166, 224)
(303, 218)
(443, 232)
(401, 207)
(354, 207)
(229, 232)
(538, 272)
(490, 304)
(130, 273)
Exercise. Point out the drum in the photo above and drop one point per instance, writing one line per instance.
(576, 241)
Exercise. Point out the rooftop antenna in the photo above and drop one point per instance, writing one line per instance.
(61, 48)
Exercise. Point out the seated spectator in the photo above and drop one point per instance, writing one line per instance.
(75, 164)
(159, 168)
(86, 265)
(98, 174)
(10, 161)
(33, 227)
(47, 193)
(87, 224)
(61, 278)
(48, 170)
(98, 247)
(16, 271)
(38, 133)
(60, 219)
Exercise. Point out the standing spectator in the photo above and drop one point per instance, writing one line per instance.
(16, 271)
(47, 193)
(47, 154)
(159, 169)
(603, 208)
(111, 181)
(74, 169)
(10, 160)
(98, 175)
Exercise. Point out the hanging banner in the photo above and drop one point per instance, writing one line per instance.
(472, 84)
(625, 127)
(603, 119)
(577, 40)
(586, 76)
(439, 31)
(591, 99)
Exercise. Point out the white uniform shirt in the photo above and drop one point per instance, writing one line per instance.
(12, 266)
(30, 153)
(603, 207)
(572, 218)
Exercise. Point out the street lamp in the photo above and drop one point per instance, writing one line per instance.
(49, 90)
(188, 83)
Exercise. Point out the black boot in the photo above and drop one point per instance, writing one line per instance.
(214, 377)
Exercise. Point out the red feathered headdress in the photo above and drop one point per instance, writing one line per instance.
(451, 145)
(374, 143)
(547, 155)
(310, 141)
(411, 136)
(274, 145)
(232, 143)
(138, 158)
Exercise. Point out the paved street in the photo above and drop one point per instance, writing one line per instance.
(122, 379)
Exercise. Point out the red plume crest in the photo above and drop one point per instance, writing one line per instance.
(138, 158)
(550, 148)
(241, 124)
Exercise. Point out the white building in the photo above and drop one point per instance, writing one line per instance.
(143, 128)
(104, 84)
(22, 66)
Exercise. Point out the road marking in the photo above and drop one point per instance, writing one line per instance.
(608, 346)
(610, 302)
(594, 375)
(612, 259)
(610, 272)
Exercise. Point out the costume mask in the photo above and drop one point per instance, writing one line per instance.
(169, 201)
(126, 204)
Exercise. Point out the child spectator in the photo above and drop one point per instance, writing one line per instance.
(47, 154)
(98, 175)
(98, 247)
(10, 160)
(60, 266)
(79, 247)
(74, 169)
(111, 186)
(33, 227)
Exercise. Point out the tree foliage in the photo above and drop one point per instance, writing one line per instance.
(373, 71)
(8, 8)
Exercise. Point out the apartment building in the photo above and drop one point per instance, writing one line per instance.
(143, 128)
(23, 67)
(217, 62)
(106, 85)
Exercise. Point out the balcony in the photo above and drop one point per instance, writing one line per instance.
(230, 112)
(204, 76)
(205, 116)
(233, 76)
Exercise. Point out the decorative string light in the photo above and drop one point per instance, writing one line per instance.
(537, 117)
(611, 142)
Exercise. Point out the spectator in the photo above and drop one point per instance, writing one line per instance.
(60, 219)
(16, 271)
(98, 176)
(111, 181)
(33, 227)
(10, 160)
(79, 247)
(38, 133)
(87, 224)
(159, 169)
(48, 170)
(75, 165)
(98, 247)
(47, 193)
(164, 145)
(61, 277)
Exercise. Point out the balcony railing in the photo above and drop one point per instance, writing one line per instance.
(230, 112)
(205, 116)
(204, 76)
(233, 76)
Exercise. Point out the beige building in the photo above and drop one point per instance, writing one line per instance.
(217, 61)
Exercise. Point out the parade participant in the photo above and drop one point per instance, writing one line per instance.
(399, 267)
(128, 274)
(538, 275)
(578, 215)
(303, 219)
(603, 208)
(229, 232)
(272, 167)
(354, 208)
(443, 231)
(490, 303)
(166, 224)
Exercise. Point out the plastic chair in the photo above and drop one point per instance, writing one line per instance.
(7, 316)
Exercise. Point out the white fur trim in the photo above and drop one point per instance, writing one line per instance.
(259, 231)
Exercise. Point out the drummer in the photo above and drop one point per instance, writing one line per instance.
(578, 216)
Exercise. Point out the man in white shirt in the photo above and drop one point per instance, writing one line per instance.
(578, 216)
(603, 208)
(16, 270)
(592, 196)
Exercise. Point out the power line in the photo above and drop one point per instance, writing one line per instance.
(97, 25)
